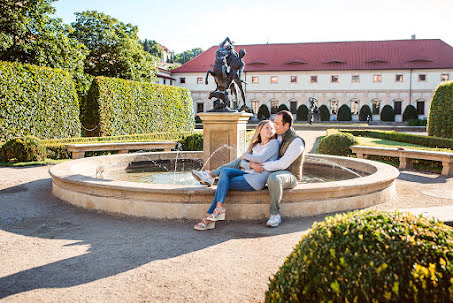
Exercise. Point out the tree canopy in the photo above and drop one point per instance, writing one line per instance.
(114, 47)
(153, 48)
(187, 55)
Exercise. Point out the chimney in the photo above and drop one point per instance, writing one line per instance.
(413, 37)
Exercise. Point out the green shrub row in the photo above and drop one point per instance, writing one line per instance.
(440, 119)
(417, 122)
(22, 149)
(429, 141)
(368, 256)
(37, 101)
(121, 107)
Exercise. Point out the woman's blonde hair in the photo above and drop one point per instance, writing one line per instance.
(256, 138)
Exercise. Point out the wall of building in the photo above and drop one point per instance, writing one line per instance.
(365, 90)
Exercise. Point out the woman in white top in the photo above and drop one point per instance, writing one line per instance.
(263, 147)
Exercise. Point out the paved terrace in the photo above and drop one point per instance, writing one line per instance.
(51, 251)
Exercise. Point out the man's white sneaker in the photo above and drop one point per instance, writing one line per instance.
(203, 176)
(274, 220)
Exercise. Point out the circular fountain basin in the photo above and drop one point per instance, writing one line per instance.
(78, 183)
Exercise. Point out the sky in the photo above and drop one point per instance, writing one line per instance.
(185, 24)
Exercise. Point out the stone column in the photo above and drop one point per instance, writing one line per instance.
(221, 129)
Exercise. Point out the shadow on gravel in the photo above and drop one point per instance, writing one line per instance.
(117, 243)
(411, 177)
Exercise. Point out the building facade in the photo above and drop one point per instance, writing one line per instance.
(374, 73)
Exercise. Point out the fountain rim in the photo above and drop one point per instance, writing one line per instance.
(384, 174)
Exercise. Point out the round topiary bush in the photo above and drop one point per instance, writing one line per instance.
(410, 113)
(344, 113)
(302, 113)
(22, 149)
(368, 256)
(263, 112)
(198, 119)
(440, 118)
(337, 144)
(192, 142)
(387, 114)
(364, 112)
(282, 107)
(324, 113)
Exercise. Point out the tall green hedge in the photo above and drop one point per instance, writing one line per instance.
(344, 113)
(263, 112)
(387, 113)
(440, 119)
(365, 111)
(302, 113)
(37, 101)
(324, 113)
(118, 107)
(410, 113)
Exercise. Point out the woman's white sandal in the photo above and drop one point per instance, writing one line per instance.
(217, 215)
(204, 225)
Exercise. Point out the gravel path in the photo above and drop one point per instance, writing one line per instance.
(52, 252)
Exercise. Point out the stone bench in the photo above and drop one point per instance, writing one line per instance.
(78, 150)
(407, 155)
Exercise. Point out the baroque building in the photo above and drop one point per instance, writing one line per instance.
(374, 73)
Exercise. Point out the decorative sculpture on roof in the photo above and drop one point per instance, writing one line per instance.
(227, 71)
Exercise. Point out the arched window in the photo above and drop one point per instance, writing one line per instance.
(376, 106)
(255, 106)
(273, 104)
(199, 106)
(292, 106)
(355, 106)
(421, 106)
(397, 105)
(333, 103)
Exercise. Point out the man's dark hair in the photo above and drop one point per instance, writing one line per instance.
(287, 117)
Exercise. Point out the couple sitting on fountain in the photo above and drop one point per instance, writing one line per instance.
(275, 161)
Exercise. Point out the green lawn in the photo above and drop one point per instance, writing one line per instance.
(366, 141)
(21, 164)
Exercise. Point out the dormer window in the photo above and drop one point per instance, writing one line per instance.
(296, 61)
(420, 60)
(334, 61)
(376, 61)
(257, 62)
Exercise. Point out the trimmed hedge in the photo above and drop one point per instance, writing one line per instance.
(192, 142)
(410, 113)
(324, 113)
(263, 112)
(39, 101)
(435, 142)
(120, 107)
(302, 113)
(440, 119)
(282, 107)
(368, 256)
(344, 113)
(364, 112)
(22, 149)
(418, 122)
(387, 114)
(337, 144)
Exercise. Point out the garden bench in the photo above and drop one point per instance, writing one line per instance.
(78, 150)
(407, 155)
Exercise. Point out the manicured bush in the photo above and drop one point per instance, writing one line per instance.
(324, 113)
(429, 141)
(440, 119)
(192, 142)
(387, 114)
(344, 113)
(368, 256)
(337, 144)
(282, 107)
(198, 119)
(37, 101)
(22, 149)
(410, 113)
(364, 112)
(302, 113)
(417, 122)
(120, 107)
(263, 112)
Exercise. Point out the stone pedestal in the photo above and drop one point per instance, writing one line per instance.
(221, 129)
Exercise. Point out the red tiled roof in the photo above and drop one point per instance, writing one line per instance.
(359, 55)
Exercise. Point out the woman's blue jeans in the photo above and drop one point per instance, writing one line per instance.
(230, 178)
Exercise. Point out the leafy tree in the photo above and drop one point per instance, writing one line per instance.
(114, 47)
(187, 55)
(153, 48)
(29, 35)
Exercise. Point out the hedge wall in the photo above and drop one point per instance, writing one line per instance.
(119, 107)
(387, 113)
(324, 113)
(302, 113)
(37, 101)
(440, 119)
(435, 142)
(344, 113)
